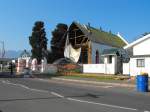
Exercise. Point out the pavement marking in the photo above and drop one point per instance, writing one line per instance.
(102, 104)
(71, 99)
(56, 94)
(107, 86)
(38, 90)
(32, 89)
(23, 86)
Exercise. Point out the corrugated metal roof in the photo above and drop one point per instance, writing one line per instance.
(110, 51)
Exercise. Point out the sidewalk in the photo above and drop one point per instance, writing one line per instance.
(7, 75)
(94, 82)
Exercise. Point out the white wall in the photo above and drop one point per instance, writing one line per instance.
(126, 68)
(142, 48)
(100, 47)
(132, 68)
(111, 68)
(93, 68)
(101, 68)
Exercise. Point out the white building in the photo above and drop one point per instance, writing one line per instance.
(93, 42)
(139, 52)
(23, 61)
(113, 59)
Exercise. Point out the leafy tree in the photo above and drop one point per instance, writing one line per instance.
(58, 41)
(38, 41)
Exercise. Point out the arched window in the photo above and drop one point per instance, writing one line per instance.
(97, 57)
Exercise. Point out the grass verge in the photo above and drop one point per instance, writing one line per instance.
(90, 77)
(100, 77)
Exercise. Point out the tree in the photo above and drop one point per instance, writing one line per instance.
(58, 41)
(38, 41)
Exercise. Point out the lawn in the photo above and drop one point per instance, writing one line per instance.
(100, 77)
(91, 77)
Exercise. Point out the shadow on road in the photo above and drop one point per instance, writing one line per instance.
(26, 99)
(47, 98)
(86, 95)
(7, 75)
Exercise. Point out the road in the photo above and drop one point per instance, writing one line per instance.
(38, 95)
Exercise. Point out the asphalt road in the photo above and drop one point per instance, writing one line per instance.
(35, 95)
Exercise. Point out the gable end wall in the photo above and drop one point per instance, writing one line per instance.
(142, 48)
(100, 48)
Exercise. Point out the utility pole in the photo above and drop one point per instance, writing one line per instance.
(2, 49)
(2, 54)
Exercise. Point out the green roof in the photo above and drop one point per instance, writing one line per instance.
(122, 53)
(99, 36)
(110, 51)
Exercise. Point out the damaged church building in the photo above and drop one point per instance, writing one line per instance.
(97, 50)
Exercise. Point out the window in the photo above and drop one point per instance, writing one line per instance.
(97, 57)
(140, 62)
(109, 59)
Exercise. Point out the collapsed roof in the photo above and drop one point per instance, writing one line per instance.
(80, 34)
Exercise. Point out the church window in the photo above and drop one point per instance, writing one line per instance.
(97, 57)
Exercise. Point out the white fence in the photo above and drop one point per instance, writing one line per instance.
(106, 68)
(93, 68)
(126, 68)
(99, 68)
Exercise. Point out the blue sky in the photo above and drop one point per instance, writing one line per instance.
(129, 17)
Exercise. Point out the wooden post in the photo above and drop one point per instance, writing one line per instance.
(89, 53)
(75, 38)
